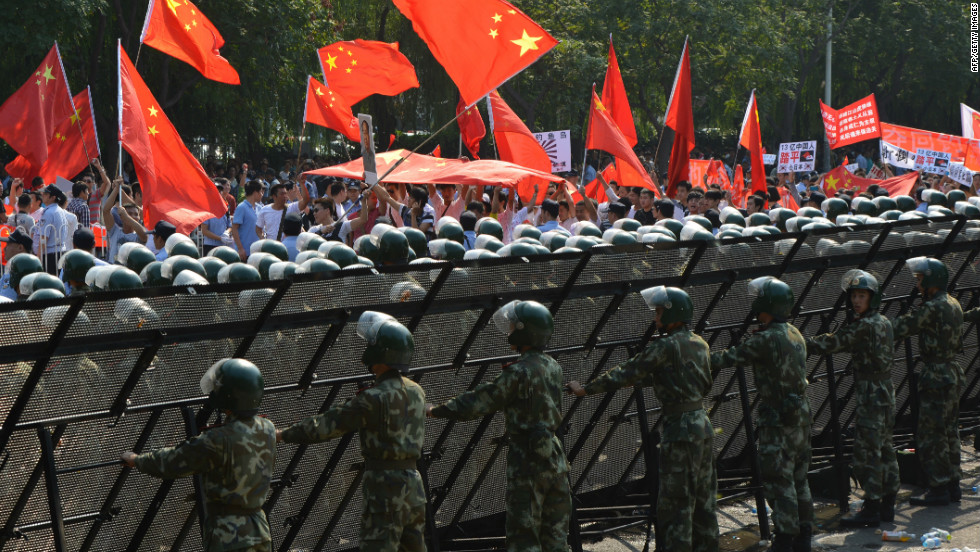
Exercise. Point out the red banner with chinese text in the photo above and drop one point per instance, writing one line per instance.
(852, 124)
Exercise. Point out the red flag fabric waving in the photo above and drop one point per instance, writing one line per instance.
(326, 108)
(855, 123)
(750, 138)
(358, 68)
(28, 119)
(740, 193)
(515, 142)
(705, 172)
(842, 179)
(596, 190)
(471, 127)
(177, 28)
(970, 119)
(66, 154)
(680, 118)
(605, 135)
(614, 98)
(175, 186)
(437, 152)
(480, 43)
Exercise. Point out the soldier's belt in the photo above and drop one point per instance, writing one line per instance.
(390, 464)
(880, 376)
(680, 408)
(218, 509)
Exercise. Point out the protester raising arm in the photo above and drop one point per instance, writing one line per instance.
(393, 207)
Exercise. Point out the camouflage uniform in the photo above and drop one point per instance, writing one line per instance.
(235, 462)
(539, 503)
(390, 417)
(777, 355)
(938, 322)
(678, 368)
(871, 344)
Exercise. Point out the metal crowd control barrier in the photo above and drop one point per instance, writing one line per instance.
(85, 378)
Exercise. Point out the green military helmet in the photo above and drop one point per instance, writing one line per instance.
(152, 275)
(262, 261)
(566, 249)
(403, 292)
(758, 219)
(518, 249)
(367, 246)
(525, 231)
(474, 254)
(488, 242)
(676, 303)
(416, 240)
(123, 278)
(525, 323)
(779, 216)
(446, 250)
(388, 341)
(816, 225)
(933, 271)
(282, 270)
(341, 254)
(936, 211)
(674, 225)
(628, 224)
(272, 247)
(364, 261)
(309, 241)
(553, 239)
(449, 228)
(884, 203)
(582, 242)
(393, 248)
(859, 279)
(703, 222)
(489, 226)
(864, 206)
(45, 294)
(834, 207)
(234, 384)
(237, 273)
(304, 256)
(317, 266)
(904, 203)
(966, 209)
(40, 280)
(772, 296)
(810, 212)
(226, 254)
(727, 234)
(795, 224)
(731, 215)
(411, 255)
(662, 230)
(616, 236)
(176, 264)
(934, 197)
(186, 248)
(74, 264)
(93, 276)
(21, 265)
(586, 228)
(542, 250)
(527, 240)
(134, 256)
(953, 196)
(891, 215)
(212, 265)
(190, 278)
(693, 231)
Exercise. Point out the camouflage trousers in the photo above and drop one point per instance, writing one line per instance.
(393, 518)
(686, 520)
(538, 510)
(875, 463)
(784, 457)
(937, 439)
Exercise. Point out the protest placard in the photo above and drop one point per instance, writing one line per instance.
(896, 156)
(855, 123)
(797, 156)
(558, 145)
(960, 174)
(769, 158)
(931, 161)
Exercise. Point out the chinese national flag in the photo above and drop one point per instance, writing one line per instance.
(480, 43)
(175, 187)
(596, 190)
(66, 155)
(605, 135)
(437, 152)
(840, 179)
(750, 138)
(326, 108)
(680, 118)
(614, 98)
(515, 142)
(971, 121)
(28, 119)
(355, 69)
(471, 127)
(739, 194)
(177, 28)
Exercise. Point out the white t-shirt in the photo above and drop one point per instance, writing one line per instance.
(269, 218)
(344, 231)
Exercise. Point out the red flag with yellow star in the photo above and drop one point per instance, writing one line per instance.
(66, 155)
(604, 134)
(329, 109)
(355, 69)
(614, 97)
(841, 179)
(471, 127)
(28, 119)
(179, 29)
(175, 186)
(480, 43)
(750, 138)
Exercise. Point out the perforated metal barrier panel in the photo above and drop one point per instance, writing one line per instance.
(83, 379)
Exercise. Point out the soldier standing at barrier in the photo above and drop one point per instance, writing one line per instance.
(235, 460)
(678, 366)
(529, 392)
(870, 342)
(390, 417)
(777, 355)
(938, 322)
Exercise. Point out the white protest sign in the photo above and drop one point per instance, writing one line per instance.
(558, 145)
(367, 149)
(876, 173)
(797, 157)
(930, 161)
(960, 174)
(896, 156)
(64, 185)
(769, 158)
(852, 167)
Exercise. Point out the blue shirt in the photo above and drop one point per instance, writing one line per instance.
(245, 218)
(552, 225)
(216, 225)
(5, 289)
(162, 254)
(54, 229)
(290, 243)
(469, 239)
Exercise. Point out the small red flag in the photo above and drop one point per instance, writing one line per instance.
(175, 186)
(326, 108)
(680, 118)
(66, 154)
(471, 127)
(596, 190)
(355, 69)
(480, 43)
(515, 142)
(437, 152)
(750, 138)
(605, 135)
(28, 118)
(614, 98)
(177, 28)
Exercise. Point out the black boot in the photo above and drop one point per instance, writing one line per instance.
(869, 516)
(888, 508)
(955, 492)
(801, 543)
(782, 543)
(936, 496)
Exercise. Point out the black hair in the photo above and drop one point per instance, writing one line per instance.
(757, 201)
(78, 188)
(336, 188)
(467, 219)
(618, 208)
(684, 184)
(550, 206)
(665, 206)
(252, 186)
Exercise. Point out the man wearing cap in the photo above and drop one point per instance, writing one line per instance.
(17, 242)
(53, 233)
(161, 231)
(121, 225)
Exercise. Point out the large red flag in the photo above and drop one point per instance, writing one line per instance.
(596, 190)
(605, 135)
(515, 142)
(471, 127)
(680, 118)
(750, 138)
(841, 179)
(175, 186)
(480, 43)
(326, 108)
(355, 69)
(177, 28)
(28, 118)
(614, 98)
(66, 155)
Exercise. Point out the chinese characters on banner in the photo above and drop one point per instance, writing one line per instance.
(936, 162)
(797, 156)
(896, 156)
(855, 123)
(876, 173)
(769, 158)
(911, 139)
(959, 173)
(558, 145)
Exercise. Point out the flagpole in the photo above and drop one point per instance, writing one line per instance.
(299, 154)
(585, 153)
(71, 100)
(493, 138)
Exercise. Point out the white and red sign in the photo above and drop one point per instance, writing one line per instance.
(852, 124)
(930, 161)
(797, 156)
